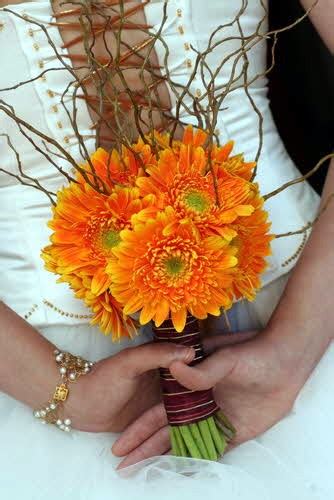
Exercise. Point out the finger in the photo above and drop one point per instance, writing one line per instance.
(135, 361)
(214, 342)
(157, 444)
(144, 427)
(206, 374)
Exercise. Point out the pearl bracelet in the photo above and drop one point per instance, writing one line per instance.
(70, 369)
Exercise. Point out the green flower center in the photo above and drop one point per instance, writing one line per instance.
(196, 201)
(174, 266)
(110, 239)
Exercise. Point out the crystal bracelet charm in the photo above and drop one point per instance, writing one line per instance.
(70, 369)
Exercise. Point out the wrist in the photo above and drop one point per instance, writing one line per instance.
(299, 346)
(81, 405)
(62, 405)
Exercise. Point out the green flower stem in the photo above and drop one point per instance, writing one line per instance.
(206, 439)
(189, 441)
(199, 441)
(180, 442)
(225, 425)
(224, 430)
(175, 447)
(206, 435)
(226, 421)
(217, 436)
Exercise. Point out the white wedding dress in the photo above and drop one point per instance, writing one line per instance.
(294, 459)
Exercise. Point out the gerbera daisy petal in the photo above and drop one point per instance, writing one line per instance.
(179, 319)
(162, 312)
(146, 314)
(133, 305)
(100, 282)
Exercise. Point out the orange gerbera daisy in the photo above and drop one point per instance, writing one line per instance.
(107, 312)
(109, 169)
(86, 227)
(190, 137)
(162, 274)
(235, 165)
(253, 242)
(220, 155)
(180, 179)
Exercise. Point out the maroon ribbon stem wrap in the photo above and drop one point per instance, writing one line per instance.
(184, 406)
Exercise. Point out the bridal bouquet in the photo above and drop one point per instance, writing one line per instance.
(173, 234)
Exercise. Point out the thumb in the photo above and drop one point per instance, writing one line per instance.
(207, 374)
(138, 360)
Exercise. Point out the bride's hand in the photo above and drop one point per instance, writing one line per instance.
(121, 387)
(255, 383)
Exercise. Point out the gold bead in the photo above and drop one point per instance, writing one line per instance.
(189, 63)
(50, 93)
(59, 125)
(66, 139)
(198, 92)
(187, 46)
(30, 32)
(181, 29)
(41, 64)
(55, 109)
(2, 25)
(61, 393)
(36, 46)
(179, 12)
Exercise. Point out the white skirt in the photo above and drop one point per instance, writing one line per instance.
(292, 460)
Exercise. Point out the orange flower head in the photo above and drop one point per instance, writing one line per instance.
(235, 165)
(181, 179)
(162, 274)
(86, 227)
(107, 312)
(109, 169)
(253, 243)
(220, 155)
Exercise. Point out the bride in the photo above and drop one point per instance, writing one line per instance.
(274, 385)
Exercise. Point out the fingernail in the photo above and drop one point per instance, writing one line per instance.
(185, 353)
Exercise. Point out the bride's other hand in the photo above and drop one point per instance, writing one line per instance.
(255, 381)
(122, 387)
(253, 385)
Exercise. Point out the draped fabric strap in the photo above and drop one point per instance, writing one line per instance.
(184, 406)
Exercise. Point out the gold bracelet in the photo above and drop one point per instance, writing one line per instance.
(71, 368)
